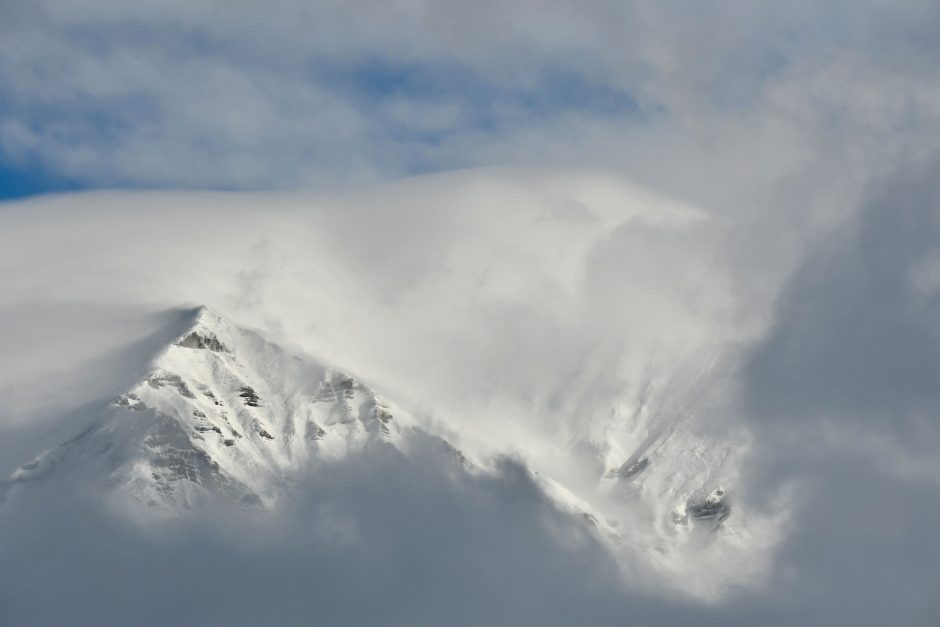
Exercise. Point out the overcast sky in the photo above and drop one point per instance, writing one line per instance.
(428, 190)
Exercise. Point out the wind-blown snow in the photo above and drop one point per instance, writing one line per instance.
(225, 416)
(595, 334)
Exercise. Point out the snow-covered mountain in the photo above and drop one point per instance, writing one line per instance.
(223, 413)
(664, 464)
(226, 414)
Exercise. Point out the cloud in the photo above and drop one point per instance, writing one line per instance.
(841, 395)
(791, 147)
(509, 328)
(381, 538)
(854, 339)
(391, 282)
(298, 94)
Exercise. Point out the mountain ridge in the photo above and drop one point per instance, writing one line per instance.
(224, 411)
(224, 415)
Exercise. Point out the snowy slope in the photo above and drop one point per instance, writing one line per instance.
(225, 414)
(662, 465)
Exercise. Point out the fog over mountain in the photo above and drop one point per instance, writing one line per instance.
(469, 314)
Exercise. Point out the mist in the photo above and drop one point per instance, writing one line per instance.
(521, 222)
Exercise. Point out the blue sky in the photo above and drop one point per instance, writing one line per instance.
(322, 95)
(327, 95)
(383, 90)
(23, 181)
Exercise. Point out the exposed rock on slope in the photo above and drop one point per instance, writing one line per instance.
(225, 413)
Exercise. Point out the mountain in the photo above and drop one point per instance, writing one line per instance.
(224, 414)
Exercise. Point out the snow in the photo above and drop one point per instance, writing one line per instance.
(223, 413)
(231, 413)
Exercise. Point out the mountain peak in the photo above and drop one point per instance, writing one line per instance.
(206, 316)
(204, 330)
(224, 412)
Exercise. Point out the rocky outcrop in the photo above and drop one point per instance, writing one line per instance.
(714, 507)
(202, 341)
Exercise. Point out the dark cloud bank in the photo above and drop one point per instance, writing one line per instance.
(384, 539)
(843, 394)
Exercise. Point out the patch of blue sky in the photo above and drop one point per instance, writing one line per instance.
(484, 102)
(485, 107)
(22, 175)
(479, 105)
(24, 180)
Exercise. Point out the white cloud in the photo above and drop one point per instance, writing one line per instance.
(791, 147)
